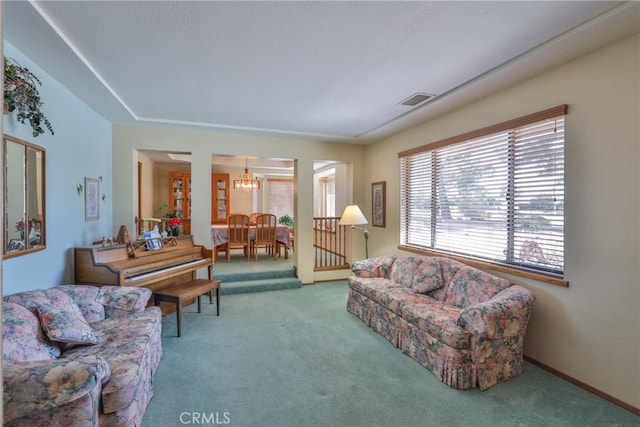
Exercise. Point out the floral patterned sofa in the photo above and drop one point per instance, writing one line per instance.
(465, 325)
(79, 355)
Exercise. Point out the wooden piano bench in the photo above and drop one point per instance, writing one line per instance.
(184, 293)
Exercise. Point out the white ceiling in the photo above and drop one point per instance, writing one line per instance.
(321, 70)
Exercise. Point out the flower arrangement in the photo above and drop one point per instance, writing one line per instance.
(21, 95)
(174, 222)
(173, 226)
(20, 225)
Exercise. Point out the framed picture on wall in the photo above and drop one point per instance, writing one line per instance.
(379, 204)
(91, 199)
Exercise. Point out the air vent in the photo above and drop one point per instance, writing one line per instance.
(416, 98)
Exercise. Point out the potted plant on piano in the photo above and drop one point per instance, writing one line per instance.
(174, 225)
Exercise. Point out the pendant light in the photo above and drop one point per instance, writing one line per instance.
(245, 182)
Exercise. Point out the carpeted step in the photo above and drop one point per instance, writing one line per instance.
(254, 275)
(261, 285)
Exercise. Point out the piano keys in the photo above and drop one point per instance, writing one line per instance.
(132, 265)
(141, 277)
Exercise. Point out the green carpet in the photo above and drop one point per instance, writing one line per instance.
(298, 358)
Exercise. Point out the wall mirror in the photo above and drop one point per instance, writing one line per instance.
(24, 197)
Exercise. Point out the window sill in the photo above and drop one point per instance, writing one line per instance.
(529, 274)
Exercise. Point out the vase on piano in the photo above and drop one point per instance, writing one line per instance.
(175, 231)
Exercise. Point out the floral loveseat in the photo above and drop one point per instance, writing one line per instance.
(79, 355)
(464, 325)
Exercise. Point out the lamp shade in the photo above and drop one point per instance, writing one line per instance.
(352, 215)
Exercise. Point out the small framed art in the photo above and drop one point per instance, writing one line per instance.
(379, 204)
(91, 199)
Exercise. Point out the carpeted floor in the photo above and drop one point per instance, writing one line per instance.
(298, 358)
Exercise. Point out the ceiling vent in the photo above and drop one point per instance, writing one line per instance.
(416, 98)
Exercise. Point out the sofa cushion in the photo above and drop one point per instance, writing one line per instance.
(129, 345)
(123, 300)
(439, 321)
(395, 298)
(427, 276)
(472, 286)
(85, 297)
(371, 287)
(387, 293)
(63, 321)
(22, 337)
(448, 268)
(404, 269)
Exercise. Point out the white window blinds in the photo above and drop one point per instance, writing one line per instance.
(496, 194)
(280, 197)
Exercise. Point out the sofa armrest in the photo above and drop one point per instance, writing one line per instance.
(36, 386)
(123, 299)
(505, 315)
(373, 267)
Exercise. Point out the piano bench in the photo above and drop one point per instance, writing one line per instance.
(185, 293)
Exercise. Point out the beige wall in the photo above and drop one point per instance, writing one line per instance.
(202, 145)
(591, 330)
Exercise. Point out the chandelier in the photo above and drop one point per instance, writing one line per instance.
(245, 182)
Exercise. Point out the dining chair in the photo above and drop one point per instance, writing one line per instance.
(217, 250)
(265, 235)
(238, 234)
(252, 217)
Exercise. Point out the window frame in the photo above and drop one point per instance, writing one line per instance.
(556, 278)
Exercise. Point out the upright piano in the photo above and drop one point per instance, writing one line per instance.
(175, 261)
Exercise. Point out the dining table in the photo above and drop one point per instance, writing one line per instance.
(219, 234)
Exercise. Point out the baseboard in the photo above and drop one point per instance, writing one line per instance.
(587, 387)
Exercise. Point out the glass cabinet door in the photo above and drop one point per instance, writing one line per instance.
(177, 188)
(221, 186)
(220, 208)
(180, 192)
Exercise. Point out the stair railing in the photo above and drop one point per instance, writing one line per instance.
(330, 244)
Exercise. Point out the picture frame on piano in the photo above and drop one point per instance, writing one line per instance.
(152, 242)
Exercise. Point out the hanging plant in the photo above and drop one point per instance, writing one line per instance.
(21, 95)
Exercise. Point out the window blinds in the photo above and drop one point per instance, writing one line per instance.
(280, 197)
(497, 197)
